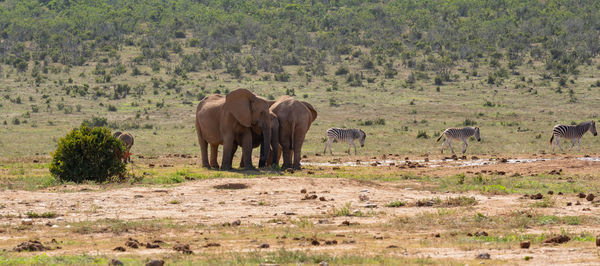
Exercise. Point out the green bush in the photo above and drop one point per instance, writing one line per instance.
(87, 154)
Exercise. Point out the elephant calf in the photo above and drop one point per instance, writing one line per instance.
(127, 140)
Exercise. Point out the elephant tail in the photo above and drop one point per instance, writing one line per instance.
(292, 133)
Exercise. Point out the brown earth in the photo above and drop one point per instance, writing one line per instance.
(266, 200)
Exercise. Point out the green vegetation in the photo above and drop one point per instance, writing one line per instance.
(87, 154)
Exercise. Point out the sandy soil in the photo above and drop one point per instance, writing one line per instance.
(263, 199)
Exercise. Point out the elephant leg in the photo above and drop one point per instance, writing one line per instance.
(204, 155)
(227, 152)
(287, 156)
(247, 150)
(298, 150)
(214, 150)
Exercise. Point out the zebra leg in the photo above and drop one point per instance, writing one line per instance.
(354, 147)
(450, 144)
(558, 143)
(465, 146)
(572, 144)
(349, 146)
(444, 144)
(578, 145)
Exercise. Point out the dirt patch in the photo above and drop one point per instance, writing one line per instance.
(231, 186)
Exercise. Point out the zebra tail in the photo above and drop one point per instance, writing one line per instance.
(552, 138)
(438, 139)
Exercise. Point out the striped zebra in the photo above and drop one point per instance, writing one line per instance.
(349, 135)
(459, 134)
(574, 133)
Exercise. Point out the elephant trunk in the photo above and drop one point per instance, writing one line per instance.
(264, 147)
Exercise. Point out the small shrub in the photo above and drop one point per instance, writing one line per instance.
(422, 134)
(95, 121)
(282, 77)
(396, 204)
(87, 154)
(469, 122)
(112, 108)
(342, 70)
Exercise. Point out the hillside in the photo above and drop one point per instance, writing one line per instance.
(401, 70)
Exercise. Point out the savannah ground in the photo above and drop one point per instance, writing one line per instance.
(403, 80)
(434, 213)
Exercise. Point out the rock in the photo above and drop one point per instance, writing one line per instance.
(577, 203)
(236, 223)
(212, 245)
(331, 242)
(150, 245)
(323, 263)
(264, 245)
(392, 246)
(558, 239)
(590, 197)
(31, 245)
(437, 235)
(115, 262)
(569, 203)
(363, 197)
(550, 192)
(155, 263)
(598, 241)
(537, 196)
(581, 195)
(119, 248)
(322, 198)
(27, 222)
(482, 233)
(315, 242)
(525, 244)
(132, 243)
(309, 197)
(560, 193)
(484, 256)
(378, 237)
(303, 191)
(370, 205)
(184, 248)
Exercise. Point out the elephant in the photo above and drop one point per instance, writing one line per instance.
(295, 118)
(231, 120)
(257, 140)
(127, 140)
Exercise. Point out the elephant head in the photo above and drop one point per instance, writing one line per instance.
(251, 112)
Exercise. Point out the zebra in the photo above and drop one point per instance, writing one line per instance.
(573, 133)
(459, 134)
(127, 140)
(349, 135)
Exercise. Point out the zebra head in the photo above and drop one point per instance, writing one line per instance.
(362, 138)
(593, 128)
(477, 134)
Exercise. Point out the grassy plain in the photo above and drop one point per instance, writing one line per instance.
(515, 114)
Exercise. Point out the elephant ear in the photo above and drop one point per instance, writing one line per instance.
(312, 110)
(238, 103)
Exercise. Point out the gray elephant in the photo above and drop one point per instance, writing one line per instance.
(295, 118)
(231, 120)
